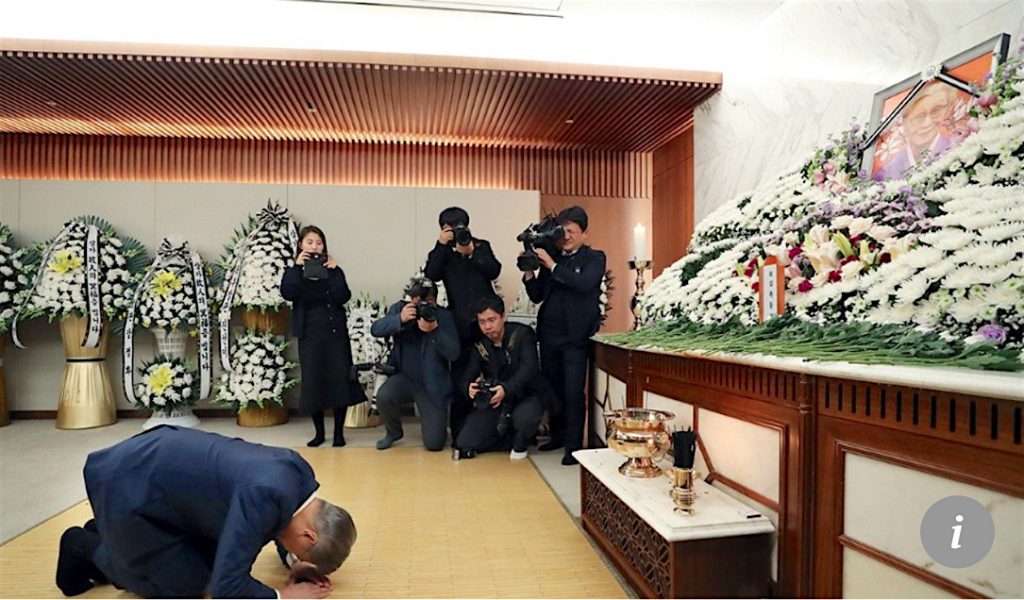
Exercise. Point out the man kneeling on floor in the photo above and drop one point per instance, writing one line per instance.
(504, 383)
(181, 512)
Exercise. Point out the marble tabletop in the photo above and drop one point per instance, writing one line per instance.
(717, 513)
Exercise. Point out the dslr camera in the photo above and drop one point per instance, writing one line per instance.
(482, 400)
(546, 234)
(426, 311)
(378, 368)
(462, 235)
(314, 269)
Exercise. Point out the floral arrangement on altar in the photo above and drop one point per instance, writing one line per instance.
(937, 258)
(12, 276)
(259, 251)
(607, 286)
(167, 384)
(259, 371)
(59, 266)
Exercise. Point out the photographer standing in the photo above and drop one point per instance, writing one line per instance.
(425, 344)
(569, 285)
(317, 289)
(503, 380)
(466, 265)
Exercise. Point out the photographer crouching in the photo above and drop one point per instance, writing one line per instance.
(316, 287)
(503, 380)
(425, 342)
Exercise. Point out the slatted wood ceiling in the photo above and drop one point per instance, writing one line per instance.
(315, 101)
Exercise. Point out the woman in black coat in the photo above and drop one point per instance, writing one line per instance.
(320, 322)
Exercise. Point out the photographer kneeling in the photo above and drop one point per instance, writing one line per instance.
(425, 343)
(504, 382)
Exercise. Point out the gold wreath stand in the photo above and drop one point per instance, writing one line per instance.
(272, 413)
(86, 398)
(5, 415)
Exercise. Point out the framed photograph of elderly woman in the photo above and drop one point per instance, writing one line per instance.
(925, 115)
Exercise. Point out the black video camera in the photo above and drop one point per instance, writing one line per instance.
(462, 235)
(314, 269)
(547, 234)
(378, 368)
(426, 311)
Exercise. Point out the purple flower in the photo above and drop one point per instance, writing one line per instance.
(905, 190)
(855, 128)
(862, 174)
(992, 333)
(828, 147)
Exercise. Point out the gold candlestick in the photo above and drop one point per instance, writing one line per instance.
(683, 494)
(639, 266)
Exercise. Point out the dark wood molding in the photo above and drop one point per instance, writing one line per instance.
(913, 570)
(749, 493)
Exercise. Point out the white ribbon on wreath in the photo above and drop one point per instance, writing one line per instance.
(271, 217)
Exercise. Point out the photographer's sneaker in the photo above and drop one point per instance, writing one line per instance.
(518, 454)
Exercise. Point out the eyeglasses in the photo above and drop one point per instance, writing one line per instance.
(935, 113)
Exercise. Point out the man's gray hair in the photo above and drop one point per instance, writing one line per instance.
(336, 533)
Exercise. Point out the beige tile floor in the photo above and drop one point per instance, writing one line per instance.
(428, 527)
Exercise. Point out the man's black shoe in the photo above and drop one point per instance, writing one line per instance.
(73, 566)
(552, 444)
(569, 459)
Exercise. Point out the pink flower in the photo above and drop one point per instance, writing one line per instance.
(793, 271)
(819, 178)
(805, 286)
(973, 125)
(829, 168)
(987, 99)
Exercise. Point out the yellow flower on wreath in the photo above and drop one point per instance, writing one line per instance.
(160, 379)
(64, 261)
(164, 282)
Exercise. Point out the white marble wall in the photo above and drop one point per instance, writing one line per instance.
(809, 67)
(883, 508)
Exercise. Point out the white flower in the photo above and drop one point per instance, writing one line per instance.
(860, 226)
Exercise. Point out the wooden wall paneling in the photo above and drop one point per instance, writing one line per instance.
(555, 173)
(672, 199)
(610, 229)
(948, 457)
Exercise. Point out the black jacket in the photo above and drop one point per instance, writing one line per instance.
(334, 291)
(571, 293)
(466, 280)
(520, 375)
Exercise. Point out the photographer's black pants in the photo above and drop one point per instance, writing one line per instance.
(398, 390)
(564, 365)
(480, 431)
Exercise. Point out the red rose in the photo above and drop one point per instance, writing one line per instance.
(748, 271)
(795, 251)
(835, 275)
(805, 286)
(884, 258)
(757, 286)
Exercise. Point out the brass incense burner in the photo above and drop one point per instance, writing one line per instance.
(640, 435)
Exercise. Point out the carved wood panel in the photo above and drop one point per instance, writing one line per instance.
(635, 542)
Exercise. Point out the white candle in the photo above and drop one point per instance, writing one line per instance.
(640, 242)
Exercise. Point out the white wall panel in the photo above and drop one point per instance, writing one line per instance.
(884, 505)
(744, 452)
(865, 577)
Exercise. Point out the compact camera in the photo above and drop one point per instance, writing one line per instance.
(314, 269)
